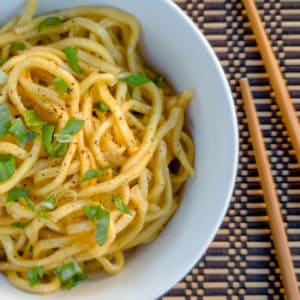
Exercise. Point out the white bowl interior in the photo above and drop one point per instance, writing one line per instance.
(174, 46)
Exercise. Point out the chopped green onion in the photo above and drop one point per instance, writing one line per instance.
(70, 274)
(50, 21)
(136, 79)
(66, 271)
(92, 211)
(29, 136)
(5, 119)
(90, 174)
(29, 203)
(59, 149)
(66, 135)
(30, 249)
(120, 205)
(19, 192)
(2, 61)
(61, 85)
(72, 127)
(32, 119)
(102, 217)
(74, 280)
(18, 130)
(19, 225)
(102, 224)
(7, 167)
(158, 80)
(43, 213)
(49, 203)
(47, 136)
(18, 47)
(103, 107)
(71, 54)
(16, 193)
(34, 274)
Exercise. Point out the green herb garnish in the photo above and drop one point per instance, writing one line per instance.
(34, 275)
(19, 192)
(71, 54)
(29, 203)
(66, 135)
(49, 203)
(46, 205)
(60, 149)
(103, 107)
(29, 136)
(32, 119)
(16, 193)
(158, 80)
(120, 205)
(49, 21)
(102, 224)
(102, 218)
(70, 274)
(18, 130)
(47, 136)
(43, 213)
(61, 85)
(72, 127)
(92, 212)
(136, 79)
(56, 150)
(7, 167)
(90, 174)
(5, 119)
(19, 225)
(18, 47)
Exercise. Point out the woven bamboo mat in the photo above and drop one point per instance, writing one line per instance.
(240, 263)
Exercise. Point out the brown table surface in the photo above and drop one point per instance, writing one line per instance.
(240, 263)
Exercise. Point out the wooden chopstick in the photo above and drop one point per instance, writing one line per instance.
(276, 79)
(275, 218)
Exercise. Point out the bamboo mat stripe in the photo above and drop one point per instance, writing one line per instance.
(240, 263)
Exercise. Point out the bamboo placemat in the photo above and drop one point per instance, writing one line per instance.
(240, 263)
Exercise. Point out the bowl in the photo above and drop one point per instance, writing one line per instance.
(173, 45)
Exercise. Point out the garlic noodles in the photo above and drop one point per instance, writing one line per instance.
(93, 146)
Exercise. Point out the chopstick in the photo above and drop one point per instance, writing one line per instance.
(276, 79)
(275, 218)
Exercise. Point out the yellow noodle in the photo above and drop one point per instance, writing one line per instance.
(20, 173)
(8, 26)
(44, 288)
(129, 133)
(177, 147)
(18, 211)
(21, 242)
(109, 266)
(48, 244)
(9, 148)
(51, 172)
(28, 13)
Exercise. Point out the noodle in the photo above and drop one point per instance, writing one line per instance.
(93, 147)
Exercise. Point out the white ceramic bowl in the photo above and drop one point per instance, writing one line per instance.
(174, 45)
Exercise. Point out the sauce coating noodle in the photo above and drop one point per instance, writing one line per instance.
(108, 176)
